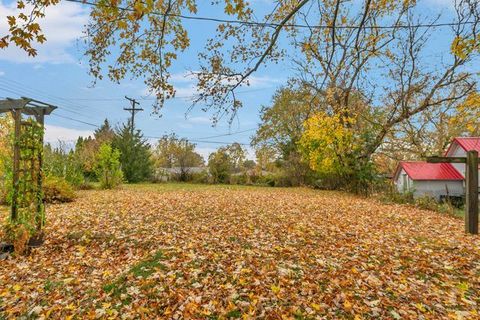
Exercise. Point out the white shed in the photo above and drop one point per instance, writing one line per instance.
(429, 179)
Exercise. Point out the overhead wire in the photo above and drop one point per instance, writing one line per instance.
(197, 140)
(21, 86)
(25, 91)
(273, 24)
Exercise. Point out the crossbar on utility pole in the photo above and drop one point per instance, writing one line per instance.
(471, 186)
(132, 110)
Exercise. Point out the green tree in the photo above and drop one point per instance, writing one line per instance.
(220, 166)
(281, 129)
(86, 149)
(266, 158)
(108, 166)
(237, 156)
(249, 164)
(135, 154)
(173, 152)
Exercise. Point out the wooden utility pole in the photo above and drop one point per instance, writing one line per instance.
(471, 186)
(133, 110)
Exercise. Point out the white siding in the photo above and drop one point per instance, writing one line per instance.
(458, 151)
(437, 188)
(403, 182)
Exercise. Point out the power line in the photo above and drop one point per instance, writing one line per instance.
(76, 120)
(20, 89)
(157, 137)
(153, 98)
(227, 134)
(204, 141)
(134, 110)
(278, 25)
(62, 108)
(22, 86)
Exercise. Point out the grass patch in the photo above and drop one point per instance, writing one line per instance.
(51, 285)
(235, 314)
(117, 287)
(179, 186)
(146, 268)
(143, 269)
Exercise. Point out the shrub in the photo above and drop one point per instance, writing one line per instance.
(274, 180)
(57, 190)
(427, 203)
(108, 167)
(392, 195)
(200, 177)
(59, 162)
(240, 178)
(86, 185)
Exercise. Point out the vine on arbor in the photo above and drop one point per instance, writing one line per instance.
(26, 195)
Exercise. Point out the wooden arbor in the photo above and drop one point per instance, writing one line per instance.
(27, 196)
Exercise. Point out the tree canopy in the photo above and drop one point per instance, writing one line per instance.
(335, 45)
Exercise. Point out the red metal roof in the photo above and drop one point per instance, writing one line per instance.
(420, 170)
(467, 143)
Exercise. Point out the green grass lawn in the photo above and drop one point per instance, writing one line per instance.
(185, 186)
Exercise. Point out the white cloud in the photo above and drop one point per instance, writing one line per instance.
(185, 84)
(62, 25)
(53, 134)
(263, 81)
(199, 120)
(205, 152)
(182, 77)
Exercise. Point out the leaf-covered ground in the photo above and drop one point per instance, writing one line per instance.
(216, 252)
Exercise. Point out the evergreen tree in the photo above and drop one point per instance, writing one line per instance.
(135, 154)
(105, 133)
(86, 149)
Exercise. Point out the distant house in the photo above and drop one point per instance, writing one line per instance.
(436, 179)
(168, 174)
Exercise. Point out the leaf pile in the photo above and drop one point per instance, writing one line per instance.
(243, 253)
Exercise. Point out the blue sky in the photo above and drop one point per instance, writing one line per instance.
(58, 75)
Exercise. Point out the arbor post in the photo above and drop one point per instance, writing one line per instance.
(471, 205)
(17, 116)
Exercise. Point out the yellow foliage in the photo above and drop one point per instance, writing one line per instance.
(462, 47)
(325, 139)
(467, 115)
